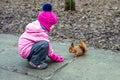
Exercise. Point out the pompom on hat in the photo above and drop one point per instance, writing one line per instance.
(47, 7)
(47, 17)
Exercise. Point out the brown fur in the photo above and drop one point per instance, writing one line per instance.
(79, 50)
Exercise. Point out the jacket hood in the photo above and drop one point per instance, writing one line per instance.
(33, 27)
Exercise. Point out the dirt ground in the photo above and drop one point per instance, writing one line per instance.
(95, 21)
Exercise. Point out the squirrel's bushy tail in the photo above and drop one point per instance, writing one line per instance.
(83, 45)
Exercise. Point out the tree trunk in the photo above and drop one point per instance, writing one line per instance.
(69, 5)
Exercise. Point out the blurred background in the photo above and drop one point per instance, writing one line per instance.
(95, 21)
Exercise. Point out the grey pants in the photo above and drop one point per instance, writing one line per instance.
(39, 52)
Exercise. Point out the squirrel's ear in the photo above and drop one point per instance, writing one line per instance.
(72, 44)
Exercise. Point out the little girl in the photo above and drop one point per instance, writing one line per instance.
(34, 43)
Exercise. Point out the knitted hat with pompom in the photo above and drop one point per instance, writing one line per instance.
(47, 17)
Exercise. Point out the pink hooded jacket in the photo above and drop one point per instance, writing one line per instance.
(33, 33)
